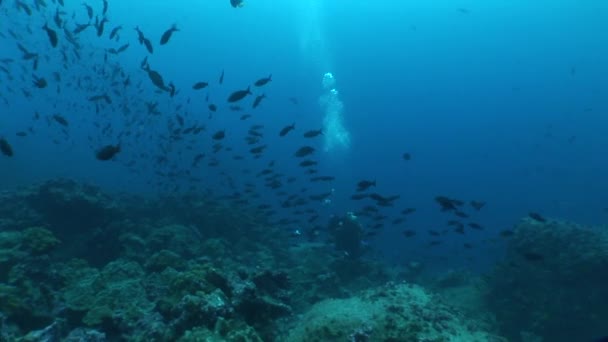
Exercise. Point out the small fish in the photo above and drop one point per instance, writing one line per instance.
(245, 117)
(140, 35)
(406, 156)
(409, 233)
(239, 95)
(212, 107)
(446, 203)
(6, 148)
(20, 5)
(100, 26)
(263, 81)
(61, 120)
(287, 129)
(304, 151)
(221, 80)
(167, 35)
(477, 205)
(313, 133)
(537, 217)
(148, 45)
(475, 226)
(57, 18)
(364, 185)
(39, 82)
(123, 48)
(105, 7)
(52, 35)
(219, 135)
(322, 178)
(408, 211)
(114, 32)
(107, 152)
(258, 100)
(308, 163)
(200, 85)
(89, 10)
(80, 27)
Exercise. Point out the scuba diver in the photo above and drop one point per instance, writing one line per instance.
(347, 235)
(237, 3)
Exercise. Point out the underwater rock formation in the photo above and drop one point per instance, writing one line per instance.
(553, 282)
(395, 312)
(134, 272)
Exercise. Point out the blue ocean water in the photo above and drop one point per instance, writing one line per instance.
(502, 102)
(495, 101)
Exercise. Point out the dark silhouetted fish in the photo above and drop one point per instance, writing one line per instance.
(148, 45)
(287, 129)
(81, 27)
(304, 151)
(107, 152)
(239, 95)
(52, 35)
(100, 25)
(219, 135)
(263, 81)
(477, 205)
(308, 163)
(406, 156)
(408, 211)
(475, 226)
(61, 120)
(258, 100)
(6, 148)
(200, 85)
(409, 233)
(89, 10)
(365, 184)
(446, 203)
(313, 133)
(39, 82)
(167, 35)
(123, 48)
(114, 32)
(537, 217)
(221, 80)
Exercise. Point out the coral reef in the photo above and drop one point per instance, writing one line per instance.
(395, 312)
(190, 269)
(552, 283)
